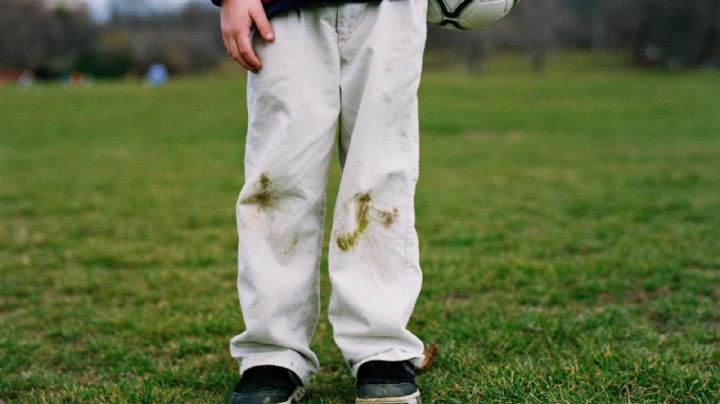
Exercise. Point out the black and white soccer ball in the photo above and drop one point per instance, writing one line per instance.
(468, 14)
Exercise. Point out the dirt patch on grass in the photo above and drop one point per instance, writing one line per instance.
(605, 298)
(640, 296)
(458, 298)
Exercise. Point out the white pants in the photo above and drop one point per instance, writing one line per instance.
(356, 67)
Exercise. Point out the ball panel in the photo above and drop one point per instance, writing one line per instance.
(434, 14)
(484, 13)
(467, 14)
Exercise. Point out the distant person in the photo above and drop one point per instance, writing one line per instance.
(26, 79)
(73, 79)
(324, 67)
(157, 75)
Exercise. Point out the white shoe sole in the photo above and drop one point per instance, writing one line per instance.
(413, 398)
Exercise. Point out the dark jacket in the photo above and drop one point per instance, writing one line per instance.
(275, 6)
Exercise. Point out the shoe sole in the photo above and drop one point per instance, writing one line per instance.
(413, 398)
(295, 397)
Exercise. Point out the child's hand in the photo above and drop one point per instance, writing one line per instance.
(236, 21)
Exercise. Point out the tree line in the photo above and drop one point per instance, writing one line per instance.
(667, 34)
(58, 41)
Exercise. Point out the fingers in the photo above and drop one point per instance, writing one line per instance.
(262, 24)
(237, 20)
(247, 53)
(227, 45)
(234, 51)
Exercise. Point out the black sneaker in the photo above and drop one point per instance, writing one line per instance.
(268, 385)
(387, 382)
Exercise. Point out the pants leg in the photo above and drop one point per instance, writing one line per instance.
(293, 108)
(374, 259)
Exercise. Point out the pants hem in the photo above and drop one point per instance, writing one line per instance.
(393, 355)
(289, 360)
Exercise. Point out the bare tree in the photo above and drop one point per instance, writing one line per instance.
(677, 34)
(539, 27)
(24, 34)
(186, 40)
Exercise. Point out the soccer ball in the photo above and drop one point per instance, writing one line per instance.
(467, 14)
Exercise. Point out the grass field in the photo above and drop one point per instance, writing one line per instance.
(569, 227)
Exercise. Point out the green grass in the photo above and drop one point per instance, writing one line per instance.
(569, 227)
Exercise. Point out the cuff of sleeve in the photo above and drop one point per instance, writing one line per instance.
(217, 2)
